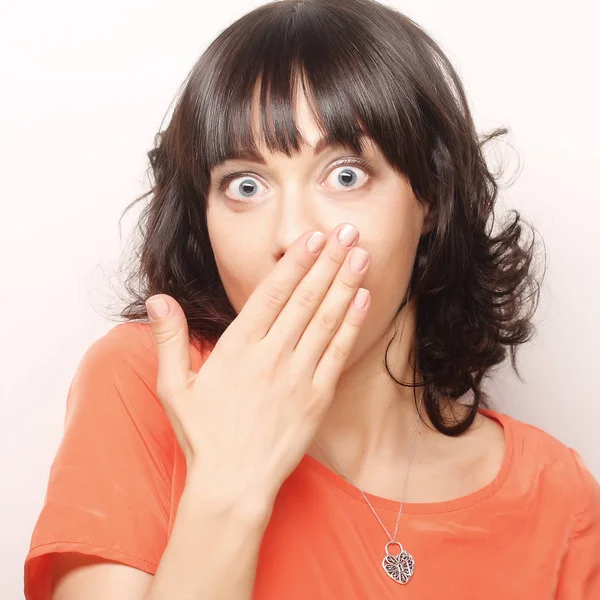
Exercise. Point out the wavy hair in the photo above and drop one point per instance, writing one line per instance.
(365, 68)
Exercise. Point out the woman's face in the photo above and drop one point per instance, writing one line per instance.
(256, 217)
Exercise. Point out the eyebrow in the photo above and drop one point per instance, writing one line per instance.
(248, 155)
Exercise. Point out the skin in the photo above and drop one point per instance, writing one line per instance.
(369, 425)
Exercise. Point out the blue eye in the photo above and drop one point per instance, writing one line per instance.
(347, 178)
(247, 187)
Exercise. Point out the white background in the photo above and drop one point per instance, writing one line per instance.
(84, 88)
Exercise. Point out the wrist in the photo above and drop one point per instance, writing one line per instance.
(252, 507)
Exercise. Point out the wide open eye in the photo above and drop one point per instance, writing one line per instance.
(240, 187)
(349, 175)
(244, 186)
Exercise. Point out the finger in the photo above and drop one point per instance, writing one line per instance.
(170, 330)
(270, 296)
(332, 362)
(309, 293)
(334, 308)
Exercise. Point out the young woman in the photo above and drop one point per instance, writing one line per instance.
(302, 416)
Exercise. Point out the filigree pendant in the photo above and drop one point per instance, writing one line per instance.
(400, 567)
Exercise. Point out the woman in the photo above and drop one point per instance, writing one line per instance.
(303, 415)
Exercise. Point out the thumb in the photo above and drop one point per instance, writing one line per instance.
(170, 331)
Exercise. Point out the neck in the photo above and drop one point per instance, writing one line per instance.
(371, 417)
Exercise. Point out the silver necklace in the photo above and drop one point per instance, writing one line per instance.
(399, 567)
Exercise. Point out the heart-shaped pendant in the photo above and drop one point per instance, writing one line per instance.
(399, 567)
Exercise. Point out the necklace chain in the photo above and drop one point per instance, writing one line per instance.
(412, 448)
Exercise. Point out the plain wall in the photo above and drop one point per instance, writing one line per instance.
(84, 90)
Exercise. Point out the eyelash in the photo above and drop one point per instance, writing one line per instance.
(227, 177)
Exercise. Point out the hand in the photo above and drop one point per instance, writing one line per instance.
(247, 417)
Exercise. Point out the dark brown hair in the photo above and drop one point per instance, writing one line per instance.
(364, 67)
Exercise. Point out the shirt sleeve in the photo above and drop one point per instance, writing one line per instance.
(109, 487)
(579, 578)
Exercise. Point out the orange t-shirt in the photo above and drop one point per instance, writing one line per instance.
(118, 474)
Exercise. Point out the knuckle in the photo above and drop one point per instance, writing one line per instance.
(300, 264)
(338, 352)
(337, 260)
(328, 322)
(347, 284)
(307, 298)
(164, 336)
(275, 296)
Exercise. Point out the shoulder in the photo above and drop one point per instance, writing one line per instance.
(542, 446)
(130, 347)
(112, 391)
(117, 375)
(123, 343)
(550, 467)
(111, 369)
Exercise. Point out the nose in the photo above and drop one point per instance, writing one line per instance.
(295, 214)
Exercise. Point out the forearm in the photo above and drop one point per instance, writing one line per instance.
(212, 553)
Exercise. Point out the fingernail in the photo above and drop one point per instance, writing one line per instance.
(157, 308)
(348, 234)
(360, 300)
(315, 242)
(358, 259)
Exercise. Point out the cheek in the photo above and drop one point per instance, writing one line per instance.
(393, 253)
(387, 281)
(239, 275)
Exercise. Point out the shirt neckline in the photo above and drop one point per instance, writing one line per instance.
(311, 463)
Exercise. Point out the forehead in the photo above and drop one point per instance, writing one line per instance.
(290, 123)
